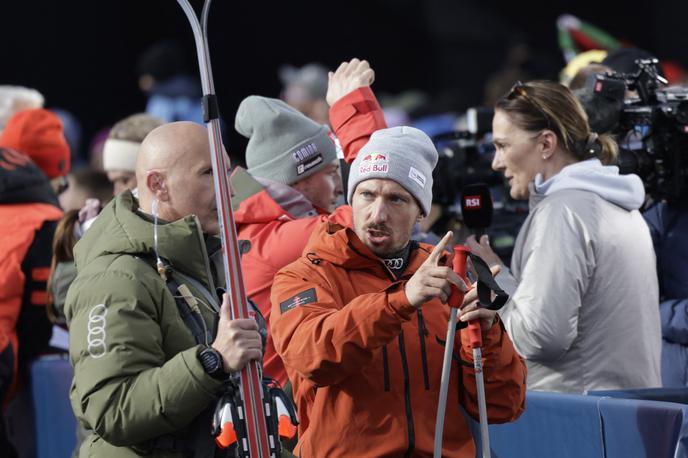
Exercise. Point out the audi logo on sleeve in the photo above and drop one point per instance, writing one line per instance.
(96, 331)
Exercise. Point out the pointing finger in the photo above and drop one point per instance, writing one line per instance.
(439, 248)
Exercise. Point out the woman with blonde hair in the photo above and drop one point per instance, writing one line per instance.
(584, 295)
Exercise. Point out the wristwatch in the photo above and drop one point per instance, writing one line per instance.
(212, 363)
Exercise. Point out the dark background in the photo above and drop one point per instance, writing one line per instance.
(82, 55)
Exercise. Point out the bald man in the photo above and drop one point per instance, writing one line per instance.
(151, 343)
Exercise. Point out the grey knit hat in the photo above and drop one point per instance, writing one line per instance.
(283, 144)
(403, 154)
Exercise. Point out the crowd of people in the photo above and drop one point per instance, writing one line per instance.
(128, 260)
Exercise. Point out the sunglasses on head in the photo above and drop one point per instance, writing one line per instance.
(520, 90)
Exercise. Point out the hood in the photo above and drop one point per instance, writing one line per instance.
(22, 182)
(626, 191)
(258, 200)
(120, 229)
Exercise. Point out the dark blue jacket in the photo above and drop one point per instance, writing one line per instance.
(669, 229)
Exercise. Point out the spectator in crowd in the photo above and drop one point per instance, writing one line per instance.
(95, 148)
(84, 184)
(173, 95)
(139, 381)
(17, 98)
(73, 132)
(292, 181)
(356, 318)
(88, 191)
(38, 133)
(122, 148)
(29, 212)
(668, 222)
(305, 89)
(584, 298)
(575, 72)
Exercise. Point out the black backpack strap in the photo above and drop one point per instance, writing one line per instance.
(192, 441)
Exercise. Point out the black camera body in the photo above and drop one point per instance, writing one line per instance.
(651, 129)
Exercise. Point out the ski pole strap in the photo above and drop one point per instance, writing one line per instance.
(487, 285)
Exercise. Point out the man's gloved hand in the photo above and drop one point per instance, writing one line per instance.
(238, 341)
(349, 76)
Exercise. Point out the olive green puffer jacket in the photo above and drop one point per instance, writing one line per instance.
(136, 374)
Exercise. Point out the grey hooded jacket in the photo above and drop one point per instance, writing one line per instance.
(584, 296)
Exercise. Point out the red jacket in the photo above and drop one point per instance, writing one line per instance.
(28, 212)
(366, 365)
(278, 238)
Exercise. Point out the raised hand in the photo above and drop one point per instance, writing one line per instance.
(349, 76)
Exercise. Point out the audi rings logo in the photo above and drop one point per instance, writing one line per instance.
(394, 263)
(96, 331)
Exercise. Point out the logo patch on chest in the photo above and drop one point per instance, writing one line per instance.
(303, 298)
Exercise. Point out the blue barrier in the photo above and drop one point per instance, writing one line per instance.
(553, 425)
(577, 426)
(679, 395)
(51, 377)
(642, 429)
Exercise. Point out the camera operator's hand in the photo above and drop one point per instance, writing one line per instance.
(470, 311)
(432, 280)
(238, 341)
(349, 76)
(483, 250)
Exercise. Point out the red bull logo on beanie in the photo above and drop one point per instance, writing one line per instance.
(374, 163)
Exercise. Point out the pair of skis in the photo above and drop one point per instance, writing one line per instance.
(249, 415)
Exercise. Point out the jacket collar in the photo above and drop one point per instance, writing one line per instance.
(122, 229)
(341, 246)
(260, 201)
(21, 181)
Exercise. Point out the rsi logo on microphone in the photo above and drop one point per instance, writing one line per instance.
(472, 202)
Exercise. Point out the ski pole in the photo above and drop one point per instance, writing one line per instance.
(253, 407)
(475, 334)
(455, 301)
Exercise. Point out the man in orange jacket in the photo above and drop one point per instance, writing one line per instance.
(360, 319)
(293, 181)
